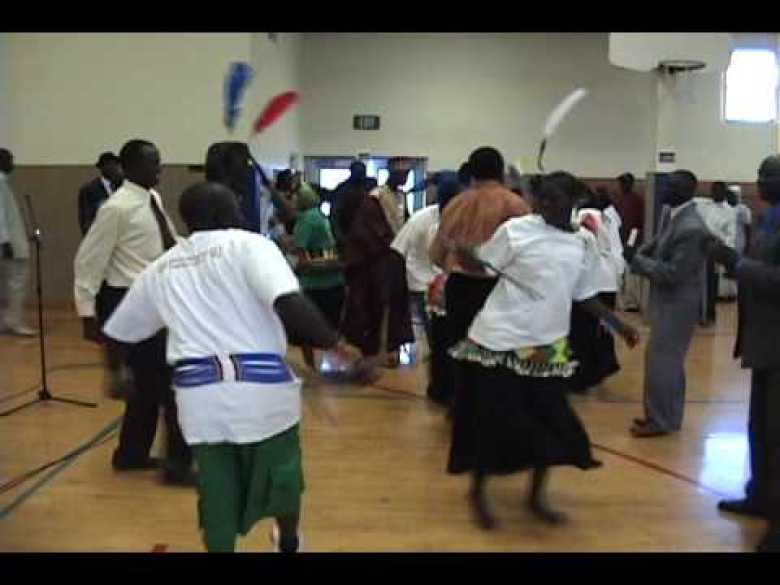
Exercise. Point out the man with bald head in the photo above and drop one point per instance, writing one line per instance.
(758, 337)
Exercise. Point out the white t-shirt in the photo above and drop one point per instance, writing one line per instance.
(413, 242)
(611, 262)
(215, 293)
(720, 218)
(559, 266)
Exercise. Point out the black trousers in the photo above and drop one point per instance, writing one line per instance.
(764, 437)
(330, 302)
(152, 389)
(709, 311)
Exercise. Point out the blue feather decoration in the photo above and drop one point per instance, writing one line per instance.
(238, 78)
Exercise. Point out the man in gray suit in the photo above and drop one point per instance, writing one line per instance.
(758, 340)
(673, 262)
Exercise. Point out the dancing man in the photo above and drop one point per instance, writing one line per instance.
(228, 297)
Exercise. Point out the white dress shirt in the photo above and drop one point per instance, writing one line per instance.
(413, 242)
(560, 266)
(215, 292)
(124, 239)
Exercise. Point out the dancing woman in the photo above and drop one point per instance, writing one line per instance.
(512, 413)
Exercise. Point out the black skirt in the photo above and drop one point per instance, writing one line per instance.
(464, 296)
(504, 423)
(441, 385)
(592, 346)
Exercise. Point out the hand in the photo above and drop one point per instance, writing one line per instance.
(91, 331)
(630, 335)
(8, 251)
(724, 255)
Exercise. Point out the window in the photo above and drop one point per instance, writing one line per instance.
(381, 179)
(751, 86)
(331, 178)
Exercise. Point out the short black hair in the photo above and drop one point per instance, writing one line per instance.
(210, 206)
(132, 151)
(688, 182)
(626, 178)
(105, 158)
(5, 155)
(284, 179)
(486, 163)
(563, 182)
(464, 174)
(220, 158)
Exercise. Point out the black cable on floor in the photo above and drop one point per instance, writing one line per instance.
(49, 371)
(27, 475)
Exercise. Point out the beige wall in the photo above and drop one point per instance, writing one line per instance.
(73, 95)
(442, 95)
(277, 69)
(54, 193)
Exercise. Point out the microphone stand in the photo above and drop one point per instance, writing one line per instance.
(44, 394)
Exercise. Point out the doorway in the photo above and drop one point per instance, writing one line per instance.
(330, 171)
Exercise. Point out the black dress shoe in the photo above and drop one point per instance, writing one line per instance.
(770, 543)
(646, 432)
(744, 507)
(641, 422)
(122, 464)
(182, 477)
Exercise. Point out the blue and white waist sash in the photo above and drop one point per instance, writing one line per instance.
(261, 368)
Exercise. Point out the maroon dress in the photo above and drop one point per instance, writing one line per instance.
(376, 282)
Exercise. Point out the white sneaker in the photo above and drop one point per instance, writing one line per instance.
(275, 539)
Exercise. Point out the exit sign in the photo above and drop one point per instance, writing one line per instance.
(365, 122)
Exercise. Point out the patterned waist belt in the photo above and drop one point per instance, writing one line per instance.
(263, 368)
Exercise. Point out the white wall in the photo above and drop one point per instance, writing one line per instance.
(4, 109)
(712, 148)
(72, 96)
(705, 143)
(441, 95)
(277, 69)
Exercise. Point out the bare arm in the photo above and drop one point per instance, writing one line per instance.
(599, 310)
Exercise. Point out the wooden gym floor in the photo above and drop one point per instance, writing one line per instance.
(375, 467)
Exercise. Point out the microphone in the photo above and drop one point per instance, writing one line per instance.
(36, 230)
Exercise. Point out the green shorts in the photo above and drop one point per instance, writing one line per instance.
(241, 484)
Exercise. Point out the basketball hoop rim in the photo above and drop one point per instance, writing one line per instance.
(673, 66)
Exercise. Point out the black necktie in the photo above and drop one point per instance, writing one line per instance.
(165, 232)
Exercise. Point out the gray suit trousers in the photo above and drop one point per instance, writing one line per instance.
(672, 327)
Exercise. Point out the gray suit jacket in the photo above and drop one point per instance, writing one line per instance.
(674, 260)
(758, 275)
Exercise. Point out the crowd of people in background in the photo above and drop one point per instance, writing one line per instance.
(515, 284)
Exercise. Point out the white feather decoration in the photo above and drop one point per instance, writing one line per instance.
(556, 117)
(562, 110)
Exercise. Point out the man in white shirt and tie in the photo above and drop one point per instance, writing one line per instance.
(15, 258)
(131, 230)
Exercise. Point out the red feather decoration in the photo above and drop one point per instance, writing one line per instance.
(274, 110)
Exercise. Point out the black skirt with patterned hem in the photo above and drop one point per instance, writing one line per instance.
(505, 423)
